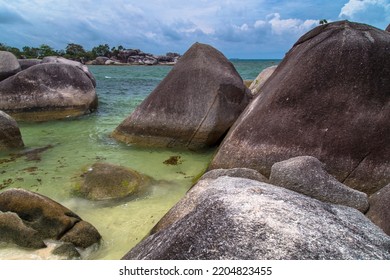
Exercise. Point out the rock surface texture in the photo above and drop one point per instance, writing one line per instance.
(379, 212)
(192, 107)
(306, 175)
(10, 136)
(48, 91)
(329, 98)
(236, 218)
(27, 219)
(9, 65)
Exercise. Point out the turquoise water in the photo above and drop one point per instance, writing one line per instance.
(75, 144)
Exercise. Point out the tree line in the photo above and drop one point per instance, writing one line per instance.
(72, 51)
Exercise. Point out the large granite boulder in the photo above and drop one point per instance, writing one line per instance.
(62, 60)
(306, 175)
(329, 98)
(192, 107)
(236, 218)
(103, 181)
(10, 136)
(9, 65)
(28, 219)
(388, 28)
(48, 91)
(379, 212)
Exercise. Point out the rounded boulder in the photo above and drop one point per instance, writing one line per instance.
(48, 91)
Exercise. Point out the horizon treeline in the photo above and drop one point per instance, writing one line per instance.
(72, 51)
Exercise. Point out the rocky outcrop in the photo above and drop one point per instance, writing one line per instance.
(306, 175)
(9, 65)
(137, 57)
(28, 219)
(192, 107)
(329, 98)
(241, 219)
(10, 136)
(379, 212)
(388, 28)
(260, 80)
(104, 181)
(48, 91)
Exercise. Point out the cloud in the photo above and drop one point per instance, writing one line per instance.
(10, 16)
(377, 11)
(159, 26)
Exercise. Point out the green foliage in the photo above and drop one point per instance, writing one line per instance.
(72, 51)
(323, 21)
(101, 50)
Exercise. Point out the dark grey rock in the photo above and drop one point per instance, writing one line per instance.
(192, 107)
(48, 91)
(329, 98)
(10, 136)
(14, 230)
(306, 175)
(79, 65)
(9, 65)
(235, 218)
(379, 212)
(27, 63)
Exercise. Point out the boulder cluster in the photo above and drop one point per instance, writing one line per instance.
(137, 57)
(302, 170)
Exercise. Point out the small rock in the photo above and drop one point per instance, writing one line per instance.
(306, 175)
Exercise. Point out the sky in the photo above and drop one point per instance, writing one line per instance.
(238, 28)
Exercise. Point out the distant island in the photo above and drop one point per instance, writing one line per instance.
(99, 55)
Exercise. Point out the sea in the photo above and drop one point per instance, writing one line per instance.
(71, 146)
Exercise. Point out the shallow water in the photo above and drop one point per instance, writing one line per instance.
(71, 146)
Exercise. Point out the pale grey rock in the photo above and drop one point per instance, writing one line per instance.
(235, 172)
(235, 218)
(9, 65)
(260, 80)
(306, 175)
(379, 212)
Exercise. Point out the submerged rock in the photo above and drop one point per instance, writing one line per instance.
(329, 98)
(379, 212)
(192, 107)
(306, 175)
(27, 219)
(104, 181)
(10, 136)
(242, 219)
(48, 91)
(9, 65)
